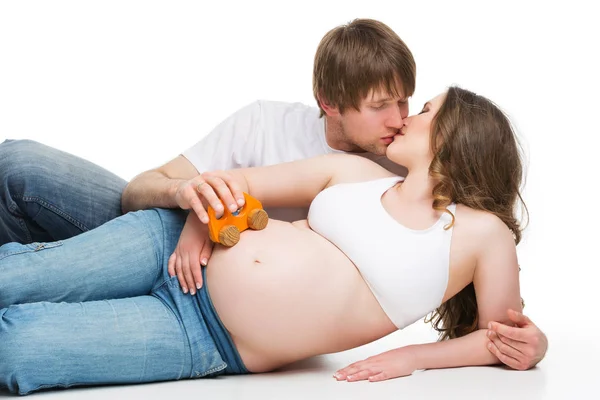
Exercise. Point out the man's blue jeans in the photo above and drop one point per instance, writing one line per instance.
(48, 195)
(100, 308)
(96, 307)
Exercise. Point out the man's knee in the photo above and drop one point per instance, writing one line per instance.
(19, 158)
(28, 164)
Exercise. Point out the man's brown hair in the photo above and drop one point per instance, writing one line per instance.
(358, 57)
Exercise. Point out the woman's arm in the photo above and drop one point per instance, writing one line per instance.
(291, 184)
(468, 350)
(496, 281)
(521, 346)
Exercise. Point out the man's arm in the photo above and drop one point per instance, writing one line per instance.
(158, 187)
(228, 145)
(175, 184)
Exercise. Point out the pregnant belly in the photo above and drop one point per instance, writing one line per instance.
(285, 293)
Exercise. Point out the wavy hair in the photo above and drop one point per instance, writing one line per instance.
(477, 163)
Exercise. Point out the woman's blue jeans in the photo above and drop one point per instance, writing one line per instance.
(100, 308)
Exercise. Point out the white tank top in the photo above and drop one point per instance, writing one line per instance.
(406, 269)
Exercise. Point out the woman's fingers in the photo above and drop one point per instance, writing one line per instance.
(205, 254)
(171, 265)
(180, 276)
(187, 273)
(343, 373)
(515, 333)
(195, 272)
(506, 346)
(505, 359)
(362, 375)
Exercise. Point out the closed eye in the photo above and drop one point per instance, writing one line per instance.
(425, 108)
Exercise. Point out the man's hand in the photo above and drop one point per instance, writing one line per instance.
(188, 197)
(388, 365)
(193, 249)
(216, 188)
(520, 347)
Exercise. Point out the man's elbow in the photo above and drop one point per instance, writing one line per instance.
(126, 204)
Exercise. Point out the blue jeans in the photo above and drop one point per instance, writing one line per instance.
(100, 308)
(48, 195)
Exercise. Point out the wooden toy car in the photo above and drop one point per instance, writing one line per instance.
(226, 230)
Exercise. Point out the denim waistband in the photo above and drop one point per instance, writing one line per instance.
(222, 339)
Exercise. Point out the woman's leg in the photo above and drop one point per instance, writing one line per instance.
(134, 340)
(122, 258)
(48, 195)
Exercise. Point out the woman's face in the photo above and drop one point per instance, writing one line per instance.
(411, 147)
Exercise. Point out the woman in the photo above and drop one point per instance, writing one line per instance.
(377, 253)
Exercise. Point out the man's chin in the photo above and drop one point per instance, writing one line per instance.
(380, 150)
(375, 149)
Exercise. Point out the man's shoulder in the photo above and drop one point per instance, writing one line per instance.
(276, 106)
(294, 119)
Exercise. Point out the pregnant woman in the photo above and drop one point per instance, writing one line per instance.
(377, 253)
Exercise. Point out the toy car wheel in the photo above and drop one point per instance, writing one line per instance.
(257, 219)
(229, 235)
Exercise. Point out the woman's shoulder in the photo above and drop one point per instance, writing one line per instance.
(351, 168)
(479, 223)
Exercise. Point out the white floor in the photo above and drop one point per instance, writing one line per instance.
(568, 372)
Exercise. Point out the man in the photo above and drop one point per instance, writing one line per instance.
(362, 79)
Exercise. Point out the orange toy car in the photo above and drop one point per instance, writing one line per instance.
(226, 230)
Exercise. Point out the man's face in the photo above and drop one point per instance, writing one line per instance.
(373, 128)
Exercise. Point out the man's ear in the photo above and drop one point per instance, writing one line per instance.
(330, 110)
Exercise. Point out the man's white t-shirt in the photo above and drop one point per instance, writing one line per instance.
(266, 133)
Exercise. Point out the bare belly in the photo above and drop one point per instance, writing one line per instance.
(285, 293)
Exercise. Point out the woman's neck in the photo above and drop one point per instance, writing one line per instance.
(417, 187)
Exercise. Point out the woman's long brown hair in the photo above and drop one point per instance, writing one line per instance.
(476, 163)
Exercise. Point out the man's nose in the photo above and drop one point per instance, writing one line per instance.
(396, 119)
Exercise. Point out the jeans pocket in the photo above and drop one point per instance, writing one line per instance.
(207, 364)
(206, 360)
(11, 249)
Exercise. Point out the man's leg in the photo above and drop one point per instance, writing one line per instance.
(48, 195)
(125, 257)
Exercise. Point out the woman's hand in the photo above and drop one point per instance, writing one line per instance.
(520, 347)
(193, 249)
(388, 365)
(215, 188)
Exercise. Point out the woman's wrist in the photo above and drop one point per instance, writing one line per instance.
(411, 354)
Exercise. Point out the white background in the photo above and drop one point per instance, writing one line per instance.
(131, 84)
